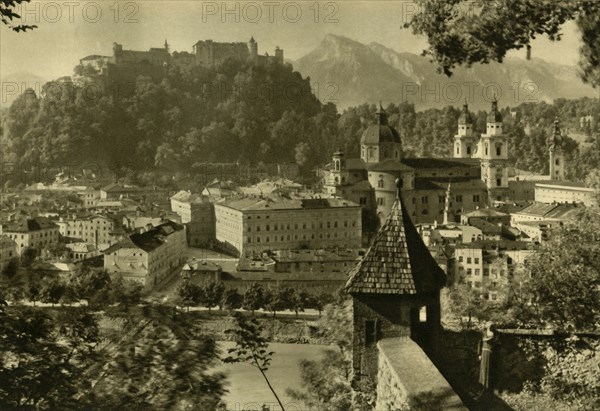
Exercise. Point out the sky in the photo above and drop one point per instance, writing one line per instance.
(69, 30)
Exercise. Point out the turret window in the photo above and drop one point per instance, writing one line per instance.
(380, 183)
(469, 150)
(499, 150)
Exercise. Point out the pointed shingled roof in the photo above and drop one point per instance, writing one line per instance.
(398, 262)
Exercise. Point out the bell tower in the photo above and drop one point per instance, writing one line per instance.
(494, 155)
(557, 157)
(465, 140)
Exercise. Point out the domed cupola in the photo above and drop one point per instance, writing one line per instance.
(380, 141)
(381, 131)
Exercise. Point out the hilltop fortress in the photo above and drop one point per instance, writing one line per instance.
(205, 53)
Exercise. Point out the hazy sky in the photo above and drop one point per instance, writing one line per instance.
(69, 30)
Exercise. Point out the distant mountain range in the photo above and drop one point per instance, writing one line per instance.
(350, 73)
(13, 85)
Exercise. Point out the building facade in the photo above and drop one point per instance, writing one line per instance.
(94, 229)
(38, 233)
(198, 215)
(489, 266)
(257, 224)
(148, 257)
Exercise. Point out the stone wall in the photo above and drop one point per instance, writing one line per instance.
(408, 380)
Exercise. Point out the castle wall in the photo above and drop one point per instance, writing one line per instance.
(382, 316)
(407, 379)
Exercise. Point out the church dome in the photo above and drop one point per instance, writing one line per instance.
(494, 116)
(381, 131)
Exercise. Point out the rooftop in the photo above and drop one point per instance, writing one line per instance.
(398, 262)
(30, 224)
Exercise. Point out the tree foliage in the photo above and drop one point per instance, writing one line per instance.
(464, 32)
(8, 14)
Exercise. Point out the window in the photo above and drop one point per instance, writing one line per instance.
(380, 201)
(469, 271)
(441, 199)
(486, 149)
(459, 199)
(476, 198)
(498, 182)
(469, 150)
(362, 200)
(469, 260)
(370, 332)
(380, 183)
(486, 272)
(499, 150)
(425, 212)
(424, 200)
(476, 260)
(460, 259)
(249, 229)
(267, 227)
(477, 272)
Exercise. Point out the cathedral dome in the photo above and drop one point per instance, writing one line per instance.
(380, 132)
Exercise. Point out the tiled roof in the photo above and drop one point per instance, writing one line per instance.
(31, 224)
(398, 262)
(440, 162)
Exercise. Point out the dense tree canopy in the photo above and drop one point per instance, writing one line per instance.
(466, 31)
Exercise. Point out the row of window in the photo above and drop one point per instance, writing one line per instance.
(296, 226)
(288, 237)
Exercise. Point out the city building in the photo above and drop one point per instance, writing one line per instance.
(38, 233)
(565, 192)
(541, 212)
(8, 251)
(198, 215)
(82, 251)
(285, 222)
(94, 229)
(489, 266)
(201, 271)
(149, 256)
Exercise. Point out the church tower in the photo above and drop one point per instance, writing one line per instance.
(465, 140)
(339, 173)
(557, 157)
(494, 155)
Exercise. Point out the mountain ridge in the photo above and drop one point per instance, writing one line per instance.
(365, 73)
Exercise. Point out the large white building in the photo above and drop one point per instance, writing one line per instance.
(282, 222)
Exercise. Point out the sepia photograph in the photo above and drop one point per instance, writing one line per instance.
(305, 205)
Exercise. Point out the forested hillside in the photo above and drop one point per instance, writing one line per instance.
(238, 112)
